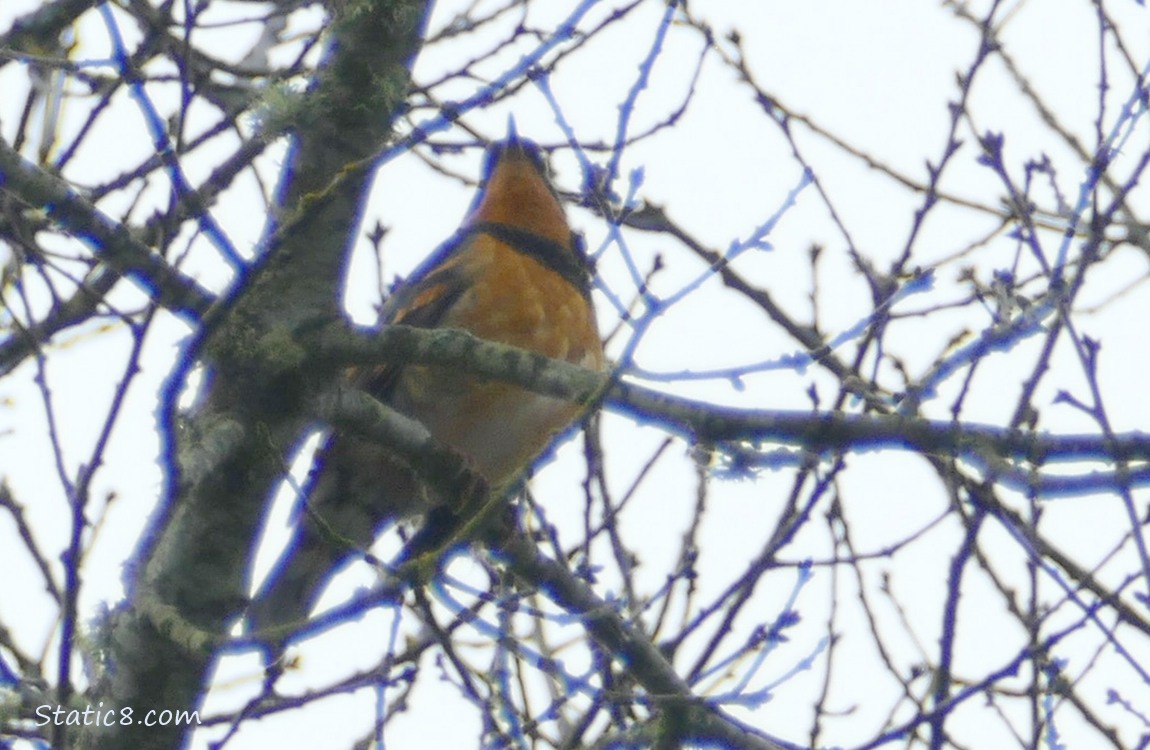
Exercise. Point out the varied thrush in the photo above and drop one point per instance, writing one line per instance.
(514, 273)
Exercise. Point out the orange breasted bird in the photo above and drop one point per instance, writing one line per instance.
(513, 273)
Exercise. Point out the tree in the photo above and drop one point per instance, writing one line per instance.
(881, 485)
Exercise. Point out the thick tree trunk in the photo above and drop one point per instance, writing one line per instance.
(226, 457)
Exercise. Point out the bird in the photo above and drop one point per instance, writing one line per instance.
(513, 273)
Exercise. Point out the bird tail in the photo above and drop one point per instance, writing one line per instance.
(357, 489)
